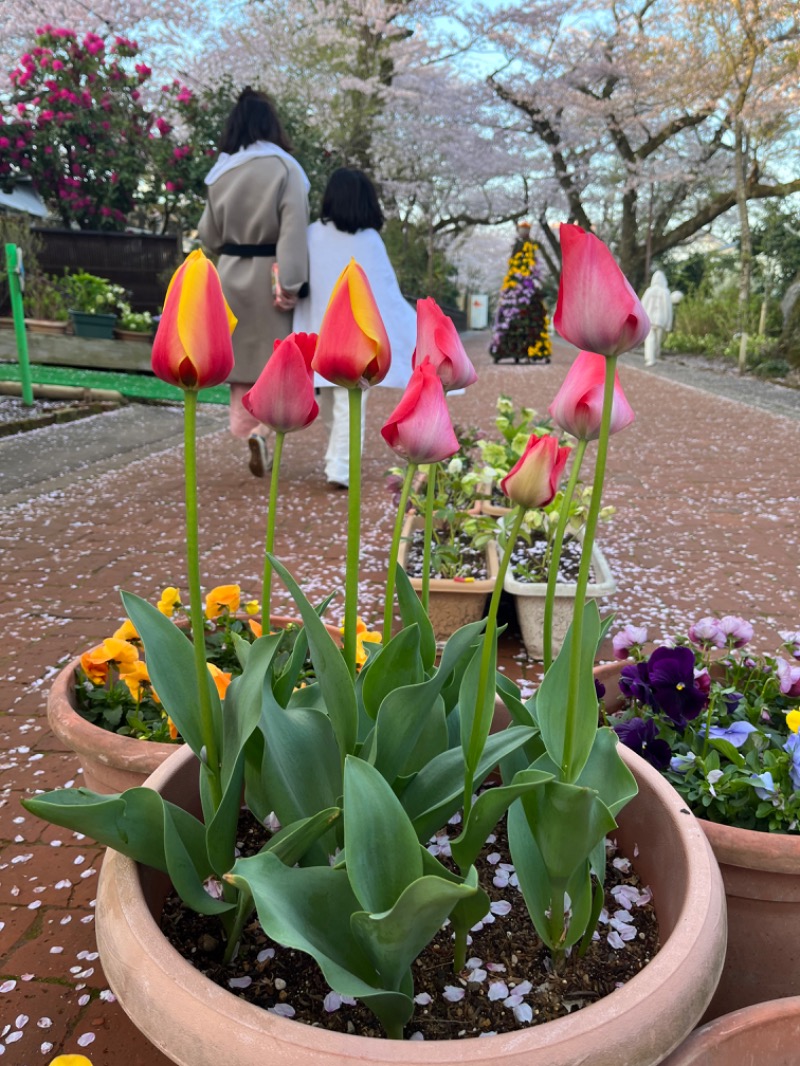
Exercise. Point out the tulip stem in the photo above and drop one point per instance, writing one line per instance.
(555, 556)
(207, 728)
(430, 499)
(583, 574)
(388, 608)
(489, 637)
(266, 588)
(353, 531)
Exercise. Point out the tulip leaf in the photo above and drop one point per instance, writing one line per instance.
(307, 909)
(291, 842)
(285, 684)
(188, 871)
(300, 770)
(476, 721)
(221, 828)
(243, 702)
(510, 695)
(413, 613)
(382, 848)
(550, 699)
(469, 910)
(486, 812)
(331, 670)
(552, 832)
(394, 939)
(437, 791)
(130, 822)
(171, 666)
(432, 741)
(605, 772)
(399, 658)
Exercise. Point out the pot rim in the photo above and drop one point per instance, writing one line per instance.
(701, 919)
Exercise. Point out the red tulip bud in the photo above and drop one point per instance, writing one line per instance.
(533, 481)
(283, 396)
(438, 340)
(419, 428)
(578, 405)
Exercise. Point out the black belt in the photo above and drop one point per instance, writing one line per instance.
(249, 251)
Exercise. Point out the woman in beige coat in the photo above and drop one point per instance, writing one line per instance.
(256, 216)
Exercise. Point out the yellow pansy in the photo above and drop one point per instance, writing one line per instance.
(70, 1060)
(252, 607)
(793, 721)
(173, 729)
(222, 598)
(95, 670)
(221, 679)
(127, 631)
(363, 634)
(170, 599)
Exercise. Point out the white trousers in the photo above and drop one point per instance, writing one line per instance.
(334, 407)
(652, 345)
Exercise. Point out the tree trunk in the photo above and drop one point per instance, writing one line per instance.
(746, 257)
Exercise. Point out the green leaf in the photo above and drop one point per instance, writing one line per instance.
(605, 771)
(510, 695)
(170, 664)
(222, 829)
(437, 791)
(308, 909)
(551, 698)
(382, 848)
(291, 842)
(728, 750)
(477, 721)
(394, 939)
(400, 658)
(331, 670)
(284, 685)
(413, 613)
(243, 702)
(188, 871)
(487, 811)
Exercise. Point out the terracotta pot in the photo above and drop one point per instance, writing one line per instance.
(452, 603)
(766, 1034)
(197, 1023)
(111, 763)
(133, 335)
(761, 874)
(46, 326)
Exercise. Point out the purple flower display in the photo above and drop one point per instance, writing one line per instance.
(639, 734)
(671, 676)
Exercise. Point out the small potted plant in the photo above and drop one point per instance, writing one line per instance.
(93, 304)
(134, 325)
(722, 723)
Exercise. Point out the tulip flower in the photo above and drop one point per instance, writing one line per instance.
(438, 340)
(578, 405)
(283, 396)
(192, 348)
(353, 349)
(597, 309)
(533, 481)
(419, 428)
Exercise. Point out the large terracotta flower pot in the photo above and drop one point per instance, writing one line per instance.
(452, 602)
(766, 1034)
(197, 1023)
(111, 763)
(761, 873)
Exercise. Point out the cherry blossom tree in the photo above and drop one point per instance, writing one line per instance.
(637, 112)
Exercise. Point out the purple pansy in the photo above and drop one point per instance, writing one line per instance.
(764, 785)
(792, 745)
(634, 683)
(639, 734)
(737, 631)
(671, 675)
(789, 677)
(736, 733)
(629, 637)
(707, 633)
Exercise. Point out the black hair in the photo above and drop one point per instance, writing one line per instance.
(350, 201)
(252, 119)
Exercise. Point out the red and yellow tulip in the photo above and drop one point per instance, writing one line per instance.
(353, 349)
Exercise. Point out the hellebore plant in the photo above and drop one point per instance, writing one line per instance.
(720, 722)
(361, 767)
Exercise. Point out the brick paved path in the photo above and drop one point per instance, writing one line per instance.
(706, 491)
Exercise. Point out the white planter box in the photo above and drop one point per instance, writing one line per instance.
(529, 601)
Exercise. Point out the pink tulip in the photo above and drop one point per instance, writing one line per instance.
(283, 396)
(353, 348)
(533, 481)
(438, 340)
(192, 348)
(578, 405)
(419, 428)
(597, 308)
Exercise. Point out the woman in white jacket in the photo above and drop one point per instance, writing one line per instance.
(349, 229)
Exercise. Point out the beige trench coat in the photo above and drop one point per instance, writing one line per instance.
(262, 201)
